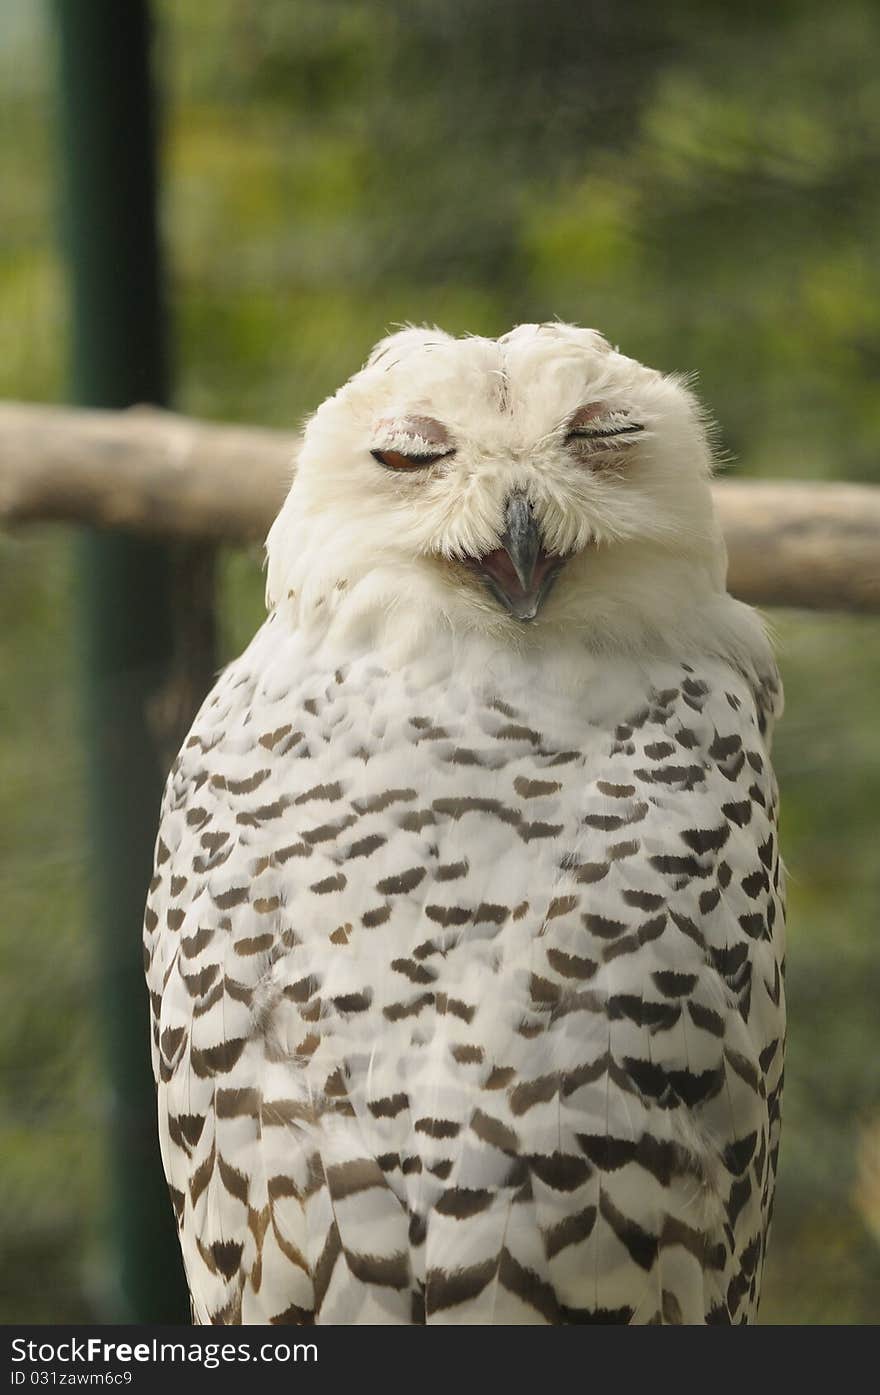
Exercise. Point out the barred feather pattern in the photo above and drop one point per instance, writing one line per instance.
(467, 996)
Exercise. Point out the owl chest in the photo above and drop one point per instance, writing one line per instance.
(429, 812)
(383, 824)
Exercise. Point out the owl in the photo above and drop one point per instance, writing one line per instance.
(464, 943)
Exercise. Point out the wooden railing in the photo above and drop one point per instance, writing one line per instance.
(813, 545)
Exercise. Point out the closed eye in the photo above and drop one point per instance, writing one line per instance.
(400, 460)
(603, 433)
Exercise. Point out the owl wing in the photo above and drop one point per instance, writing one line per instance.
(261, 1200)
(616, 1159)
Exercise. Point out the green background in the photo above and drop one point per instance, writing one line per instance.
(697, 180)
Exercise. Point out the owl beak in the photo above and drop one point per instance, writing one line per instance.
(521, 539)
(519, 573)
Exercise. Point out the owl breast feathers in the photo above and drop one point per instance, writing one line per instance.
(465, 937)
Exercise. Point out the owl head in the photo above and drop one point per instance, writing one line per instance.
(529, 486)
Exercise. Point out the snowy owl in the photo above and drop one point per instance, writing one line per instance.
(465, 937)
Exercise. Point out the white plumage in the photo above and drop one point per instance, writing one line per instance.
(464, 942)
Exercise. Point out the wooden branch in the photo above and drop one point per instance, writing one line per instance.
(813, 545)
(151, 472)
(142, 471)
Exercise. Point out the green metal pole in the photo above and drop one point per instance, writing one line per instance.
(126, 628)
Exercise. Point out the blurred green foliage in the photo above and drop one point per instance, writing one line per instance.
(700, 181)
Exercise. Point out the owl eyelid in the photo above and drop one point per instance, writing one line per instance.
(414, 459)
(584, 433)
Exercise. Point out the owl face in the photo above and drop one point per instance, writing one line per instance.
(524, 481)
